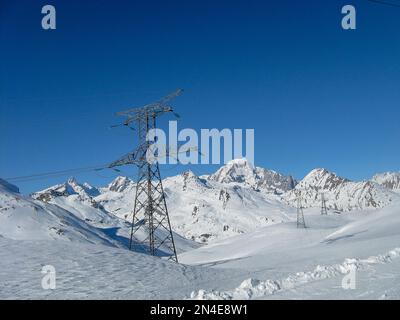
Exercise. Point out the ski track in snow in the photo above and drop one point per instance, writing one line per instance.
(254, 288)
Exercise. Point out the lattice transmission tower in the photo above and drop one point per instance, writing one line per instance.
(151, 227)
(301, 223)
(324, 210)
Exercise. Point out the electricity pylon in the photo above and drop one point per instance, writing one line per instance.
(324, 210)
(150, 213)
(301, 223)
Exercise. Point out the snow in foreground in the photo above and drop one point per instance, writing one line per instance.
(86, 245)
(279, 261)
(87, 271)
(282, 261)
(253, 288)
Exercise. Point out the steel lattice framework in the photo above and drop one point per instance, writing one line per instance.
(324, 210)
(301, 223)
(151, 228)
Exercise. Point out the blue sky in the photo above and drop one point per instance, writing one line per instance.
(316, 95)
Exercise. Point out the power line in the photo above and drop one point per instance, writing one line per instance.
(385, 3)
(51, 174)
(60, 173)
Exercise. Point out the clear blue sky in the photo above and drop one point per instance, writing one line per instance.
(316, 95)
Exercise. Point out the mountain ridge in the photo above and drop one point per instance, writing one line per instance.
(340, 193)
(237, 198)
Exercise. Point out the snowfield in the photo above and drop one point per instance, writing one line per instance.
(253, 288)
(235, 232)
(85, 271)
(324, 251)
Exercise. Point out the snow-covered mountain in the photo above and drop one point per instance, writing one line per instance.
(390, 180)
(78, 199)
(119, 185)
(340, 194)
(202, 209)
(236, 199)
(23, 218)
(86, 203)
(242, 172)
(85, 191)
(254, 250)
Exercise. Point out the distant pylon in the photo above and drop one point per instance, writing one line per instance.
(301, 223)
(324, 210)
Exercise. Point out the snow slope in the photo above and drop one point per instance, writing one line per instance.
(85, 271)
(90, 262)
(84, 202)
(281, 257)
(79, 200)
(22, 218)
(375, 280)
(256, 289)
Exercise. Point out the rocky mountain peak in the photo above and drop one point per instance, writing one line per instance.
(322, 179)
(241, 171)
(120, 184)
(390, 180)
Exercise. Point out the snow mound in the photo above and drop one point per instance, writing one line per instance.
(254, 288)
